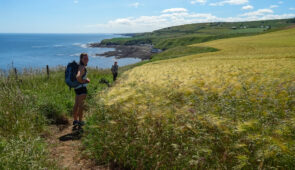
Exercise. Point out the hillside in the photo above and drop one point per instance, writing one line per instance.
(223, 104)
(231, 108)
(201, 32)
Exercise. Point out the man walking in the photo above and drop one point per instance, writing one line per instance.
(114, 69)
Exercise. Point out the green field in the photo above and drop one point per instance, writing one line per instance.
(202, 32)
(231, 108)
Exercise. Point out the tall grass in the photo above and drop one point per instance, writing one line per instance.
(20, 148)
(28, 104)
(229, 109)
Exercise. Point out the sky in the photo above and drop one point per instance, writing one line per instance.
(130, 16)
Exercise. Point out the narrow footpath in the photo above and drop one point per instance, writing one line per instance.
(65, 148)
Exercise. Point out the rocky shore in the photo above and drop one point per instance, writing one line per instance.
(143, 52)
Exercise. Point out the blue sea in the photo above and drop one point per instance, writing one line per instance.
(38, 50)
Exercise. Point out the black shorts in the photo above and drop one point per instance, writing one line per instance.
(81, 90)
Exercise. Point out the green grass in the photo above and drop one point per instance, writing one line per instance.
(24, 153)
(181, 51)
(28, 105)
(197, 33)
(228, 109)
(158, 115)
(194, 39)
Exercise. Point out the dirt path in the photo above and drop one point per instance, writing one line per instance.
(65, 148)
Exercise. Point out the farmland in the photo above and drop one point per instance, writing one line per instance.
(182, 35)
(229, 108)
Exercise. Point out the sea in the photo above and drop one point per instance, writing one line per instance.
(38, 50)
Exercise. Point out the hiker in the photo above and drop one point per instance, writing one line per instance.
(81, 91)
(114, 69)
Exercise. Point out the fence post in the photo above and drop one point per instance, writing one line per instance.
(47, 71)
(15, 73)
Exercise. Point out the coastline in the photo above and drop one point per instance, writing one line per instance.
(38, 50)
(143, 52)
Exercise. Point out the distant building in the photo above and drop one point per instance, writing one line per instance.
(234, 27)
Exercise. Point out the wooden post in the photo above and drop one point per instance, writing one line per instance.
(15, 72)
(47, 71)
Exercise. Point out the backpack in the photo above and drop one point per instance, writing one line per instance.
(70, 75)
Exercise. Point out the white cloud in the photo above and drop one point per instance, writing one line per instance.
(198, 1)
(174, 10)
(269, 16)
(176, 17)
(149, 23)
(291, 8)
(135, 5)
(258, 12)
(230, 2)
(280, 2)
(76, 1)
(247, 7)
(274, 6)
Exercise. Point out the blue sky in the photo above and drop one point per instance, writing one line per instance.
(122, 16)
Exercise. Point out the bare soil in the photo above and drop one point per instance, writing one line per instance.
(66, 149)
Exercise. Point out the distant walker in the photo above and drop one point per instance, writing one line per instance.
(114, 69)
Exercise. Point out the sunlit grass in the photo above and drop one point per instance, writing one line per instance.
(233, 108)
(29, 102)
(188, 34)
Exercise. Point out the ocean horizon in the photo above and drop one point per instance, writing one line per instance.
(36, 50)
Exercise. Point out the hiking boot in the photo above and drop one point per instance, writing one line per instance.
(75, 125)
(75, 122)
(81, 123)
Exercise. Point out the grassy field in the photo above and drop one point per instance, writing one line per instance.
(28, 105)
(171, 37)
(232, 108)
(222, 104)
